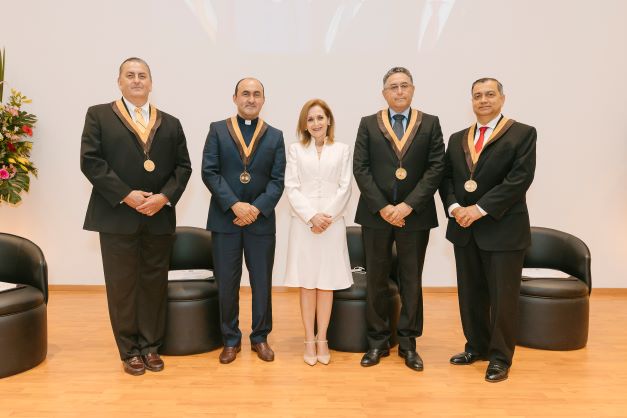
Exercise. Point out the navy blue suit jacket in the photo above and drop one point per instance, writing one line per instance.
(221, 168)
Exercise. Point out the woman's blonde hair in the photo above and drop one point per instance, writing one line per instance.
(301, 128)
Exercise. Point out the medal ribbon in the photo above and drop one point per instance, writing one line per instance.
(399, 144)
(246, 150)
(145, 135)
(144, 139)
(474, 155)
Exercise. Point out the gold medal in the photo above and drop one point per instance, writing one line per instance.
(244, 177)
(149, 166)
(401, 173)
(470, 186)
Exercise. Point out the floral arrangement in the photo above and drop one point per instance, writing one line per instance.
(16, 126)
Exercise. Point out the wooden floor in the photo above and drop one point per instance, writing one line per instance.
(82, 376)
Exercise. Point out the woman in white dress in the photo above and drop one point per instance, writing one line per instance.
(318, 187)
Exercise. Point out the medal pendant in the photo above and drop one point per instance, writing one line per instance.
(149, 166)
(470, 186)
(401, 173)
(244, 177)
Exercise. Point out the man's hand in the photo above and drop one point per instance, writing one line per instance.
(320, 222)
(403, 210)
(239, 222)
(245, 213)
(136, 198)
(152, 204)
(391, 215)
(466, 216)
(241, 209)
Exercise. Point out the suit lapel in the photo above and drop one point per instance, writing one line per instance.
(465, 149)
(412, 134)
(500, 134)
(124, 116)
(488, 148)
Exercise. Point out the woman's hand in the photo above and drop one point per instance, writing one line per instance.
(320, 222)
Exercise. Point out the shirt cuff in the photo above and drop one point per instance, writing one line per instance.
(168, 203)
(483, 212)
(452, 208)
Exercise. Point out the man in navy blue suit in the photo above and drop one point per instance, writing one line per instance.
(243, 167)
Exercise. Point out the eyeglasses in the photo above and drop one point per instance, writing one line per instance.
(402, 86)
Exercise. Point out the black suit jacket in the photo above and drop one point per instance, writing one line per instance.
(504, 172)
(374, 165)
(112, 160)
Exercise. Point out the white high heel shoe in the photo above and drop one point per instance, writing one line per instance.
(311, 360)
(323, 358)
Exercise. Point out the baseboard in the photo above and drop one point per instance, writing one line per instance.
(606, 291)
(609, 291)
(76, 287)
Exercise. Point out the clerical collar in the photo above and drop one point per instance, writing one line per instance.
(247, 122)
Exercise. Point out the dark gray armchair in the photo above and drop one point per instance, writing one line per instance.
(347, 327)
(193, 318)
(23, 310)
(554, 313)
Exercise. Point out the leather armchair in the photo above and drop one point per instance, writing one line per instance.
(193, 318)
(554, 313)
(347, 327)
(23, 310)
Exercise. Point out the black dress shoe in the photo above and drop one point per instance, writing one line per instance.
(372, 356)
(412, 359)
(466, 358)
(496, 373)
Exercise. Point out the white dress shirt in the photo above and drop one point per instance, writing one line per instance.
(131, 109)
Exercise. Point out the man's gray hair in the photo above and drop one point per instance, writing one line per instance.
(395, 70)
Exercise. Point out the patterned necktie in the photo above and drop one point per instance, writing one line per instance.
(139, 120)
(479, 143)
(398, 128)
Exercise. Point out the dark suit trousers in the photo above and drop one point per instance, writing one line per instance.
(136, 276)
(488, 285)
(259, 255)
(410, 247)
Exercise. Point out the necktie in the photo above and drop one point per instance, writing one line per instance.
(398, 126)
(479, 143)
(139, 120)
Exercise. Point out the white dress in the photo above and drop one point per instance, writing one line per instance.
(312, 185)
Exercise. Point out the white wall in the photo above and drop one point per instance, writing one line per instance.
(563, 64)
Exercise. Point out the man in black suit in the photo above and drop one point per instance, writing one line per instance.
(398, 164)
(243, 167)
(136, 158)
(489, 168)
